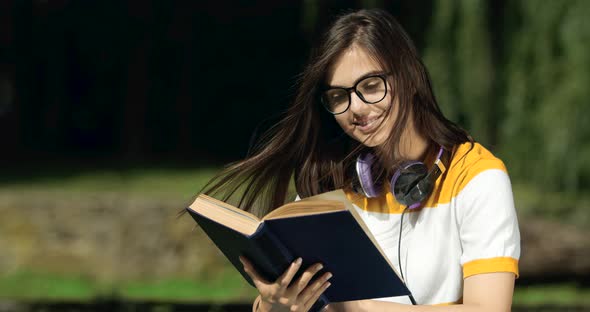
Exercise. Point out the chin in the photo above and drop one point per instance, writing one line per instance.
(371, 141)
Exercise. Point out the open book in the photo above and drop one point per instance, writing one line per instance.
(324, 228)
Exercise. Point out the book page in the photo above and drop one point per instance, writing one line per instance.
(226, 214)
(307, 208)
(321, 203)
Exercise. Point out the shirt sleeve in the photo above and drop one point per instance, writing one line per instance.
(488, 225)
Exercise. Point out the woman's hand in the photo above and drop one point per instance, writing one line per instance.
(279, 296)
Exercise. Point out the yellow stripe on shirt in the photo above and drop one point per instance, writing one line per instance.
(477, 160)
(490, 265)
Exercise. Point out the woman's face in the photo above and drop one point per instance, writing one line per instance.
(367, 123)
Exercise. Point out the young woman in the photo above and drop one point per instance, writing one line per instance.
(364, 109)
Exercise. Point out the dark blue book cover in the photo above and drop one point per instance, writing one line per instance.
(335, 238)
(263, 249)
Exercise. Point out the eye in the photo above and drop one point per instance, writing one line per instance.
(336, 96)
(372, 84)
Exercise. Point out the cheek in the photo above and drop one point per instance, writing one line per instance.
(385, 103)
(390, 108)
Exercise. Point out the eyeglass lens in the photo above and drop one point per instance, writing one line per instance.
(370, 90)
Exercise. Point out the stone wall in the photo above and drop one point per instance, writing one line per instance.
(104, 236)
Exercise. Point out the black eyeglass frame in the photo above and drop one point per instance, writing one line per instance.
(383, 77)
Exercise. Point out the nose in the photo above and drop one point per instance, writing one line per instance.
(357, 106)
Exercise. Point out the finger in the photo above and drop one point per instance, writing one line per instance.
(258, 280)
(285, 279)
(316, 295)
(305, 278)
(313, 287)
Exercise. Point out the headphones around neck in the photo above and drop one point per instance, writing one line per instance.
(411, 184)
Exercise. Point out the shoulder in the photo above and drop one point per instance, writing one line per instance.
(472, 168)
(473, 157)
(470, 160)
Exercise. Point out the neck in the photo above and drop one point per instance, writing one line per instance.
(414, 147)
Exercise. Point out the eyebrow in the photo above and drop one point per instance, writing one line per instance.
(368, 74)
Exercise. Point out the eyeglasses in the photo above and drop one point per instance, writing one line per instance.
(371, 89)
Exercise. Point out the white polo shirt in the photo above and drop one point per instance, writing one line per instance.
(467, 226)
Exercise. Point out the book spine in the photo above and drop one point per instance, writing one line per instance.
(276, 252)
(280, 258)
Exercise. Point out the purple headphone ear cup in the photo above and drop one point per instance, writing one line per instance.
(419, 193)
(411, 184)
(404, 181)
(364, 165)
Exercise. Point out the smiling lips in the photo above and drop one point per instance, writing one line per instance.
(367, 124)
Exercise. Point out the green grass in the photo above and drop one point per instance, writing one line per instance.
(562, 294)
(226, 287)
(230, 287)
(34, 286)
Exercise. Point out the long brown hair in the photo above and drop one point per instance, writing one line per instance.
(308, 146)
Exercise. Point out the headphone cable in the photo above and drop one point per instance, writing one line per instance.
(399, 257)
